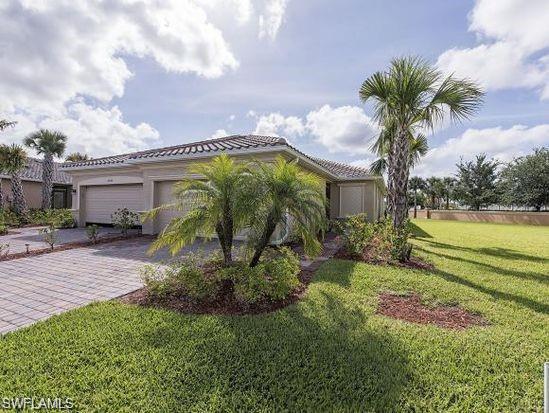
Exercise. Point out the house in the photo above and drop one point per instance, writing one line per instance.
(31, 178)
(144, 180)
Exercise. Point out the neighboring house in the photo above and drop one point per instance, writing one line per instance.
(144, 180)
(32, 186)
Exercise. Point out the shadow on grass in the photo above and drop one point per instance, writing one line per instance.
(315, 356)
(419, 232)
(491, 251)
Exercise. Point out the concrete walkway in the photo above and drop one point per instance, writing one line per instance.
(35, 288)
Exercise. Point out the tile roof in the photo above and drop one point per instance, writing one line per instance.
(33, 172)
(228, 143)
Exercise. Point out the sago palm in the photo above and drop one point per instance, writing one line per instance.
(215, 203)
(13, 159)
(287, 193)
(410, 95)
(50, 144)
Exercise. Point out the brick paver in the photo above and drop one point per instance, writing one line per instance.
(35, 288)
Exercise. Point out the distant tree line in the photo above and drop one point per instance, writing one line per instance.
(483, 182)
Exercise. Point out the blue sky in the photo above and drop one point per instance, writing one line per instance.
(285, 67)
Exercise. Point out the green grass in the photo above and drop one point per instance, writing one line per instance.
(329, 352)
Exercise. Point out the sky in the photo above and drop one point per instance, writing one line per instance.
(122, 75)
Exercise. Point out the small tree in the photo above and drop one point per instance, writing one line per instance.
(50, 235)
(477, 182)
(286, 193)
(525, 180)
(448, 189)
(124, 219)
(92, 231)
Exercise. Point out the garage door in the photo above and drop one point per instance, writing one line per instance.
(102, 201)
(164, 195)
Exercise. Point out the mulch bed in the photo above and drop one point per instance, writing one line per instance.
(67, 246)
(414, 262)
(224, 303)
(410, 308)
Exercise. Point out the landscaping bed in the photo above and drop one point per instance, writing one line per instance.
(66, 246)
(409, 307)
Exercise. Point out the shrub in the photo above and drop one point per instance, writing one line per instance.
(9, 218)
(124, 219)
(4, 250)
(249, 283)
(92, 231)
(50, 235)
(281, 272)
(375, 242)
(3, 229)
(59, 218)
(184, 277)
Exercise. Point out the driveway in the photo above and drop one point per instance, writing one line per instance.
(35, 288)
(18, 238)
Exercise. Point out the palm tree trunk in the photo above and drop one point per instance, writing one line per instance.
(390, 177)
(415, 203)
(19, 202)
(1, 196)
(47, 181)
(264, 240)
(400, 179)
(225, 234)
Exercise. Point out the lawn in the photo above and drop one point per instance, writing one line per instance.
(328, 352)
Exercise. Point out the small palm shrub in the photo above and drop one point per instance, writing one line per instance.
(124, 219)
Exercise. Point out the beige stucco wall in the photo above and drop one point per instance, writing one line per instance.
(31, 190)
(501, 217)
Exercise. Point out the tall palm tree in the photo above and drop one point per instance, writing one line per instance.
(14, 159)
(410, 95)
(4, 124)
(418, 148)
(217, 204)
(50, 144)
(77, 157)
(287, 193)
(449, 184)
(435, 191)
(416, 184)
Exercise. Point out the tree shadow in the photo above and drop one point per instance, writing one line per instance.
(500, 295)
(498, 252)
(318, 355)
(419, 232)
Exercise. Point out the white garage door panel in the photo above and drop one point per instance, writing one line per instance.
(164, 195)
(102, 201)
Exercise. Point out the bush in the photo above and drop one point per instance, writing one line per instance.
(184, 277)
(59, 218)
(92, 231)
(50, 235)
(9, 218)
(281, 272)
(124, 219)
(374, 242)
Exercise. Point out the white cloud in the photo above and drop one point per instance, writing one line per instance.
(94, 131)
(274, 124)
(220, 133)
(272, 18)
(499, 143)
(342, 129)
(512, 53)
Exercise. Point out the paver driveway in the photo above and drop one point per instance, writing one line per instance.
(35, 288)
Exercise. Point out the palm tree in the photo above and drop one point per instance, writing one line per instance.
(435, 191)
(77, 157)
(416, 184)
(418, 148)
(4, 124)
(449, 184)
(287, 194)
(412, 94)
(217, 204)
(14, 159)
(50, 144)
